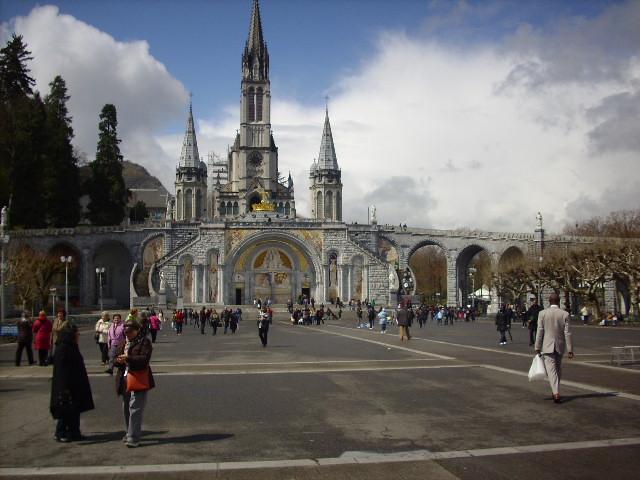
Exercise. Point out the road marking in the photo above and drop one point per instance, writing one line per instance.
(583, 386)
(347, 458)
(314, 370)
(375, 342)
(518, 354)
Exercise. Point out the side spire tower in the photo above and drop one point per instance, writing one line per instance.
(189, 156)
(325, 184)
(191, 177)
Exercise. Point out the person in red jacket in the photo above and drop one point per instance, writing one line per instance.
(42, 343)
(179, 321)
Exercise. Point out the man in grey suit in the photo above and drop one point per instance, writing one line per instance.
(552, 340)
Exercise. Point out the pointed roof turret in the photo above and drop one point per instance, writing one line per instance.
(189, 157)
(255, 59)
(327, 158)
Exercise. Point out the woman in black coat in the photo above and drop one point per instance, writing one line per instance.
(70, 389)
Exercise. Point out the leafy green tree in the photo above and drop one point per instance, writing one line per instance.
(107, 191)
(61, 180)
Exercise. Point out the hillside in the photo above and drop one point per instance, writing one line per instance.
(135, 177)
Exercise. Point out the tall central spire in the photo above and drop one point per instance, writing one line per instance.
(255, 59)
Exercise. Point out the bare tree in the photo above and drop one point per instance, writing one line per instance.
(31, 273)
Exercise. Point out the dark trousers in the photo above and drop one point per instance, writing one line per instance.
(215, 328)
(203, 324)
(262, 333)
(68, 426)
(24, 345)
(154, 335)
(42, 357)
(178, 328)
(104, 352)
(503, 336)
(532, 335)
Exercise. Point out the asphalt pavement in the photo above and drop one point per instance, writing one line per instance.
(336, 401)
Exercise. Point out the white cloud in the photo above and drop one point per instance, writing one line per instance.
(435, 134)
(99, 70)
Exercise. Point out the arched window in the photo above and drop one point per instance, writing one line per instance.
(229, 208)
(235, 208)
(319, 205)
(222, 210)
(338, 206)
(280, 208)
(188, 205)
(328, 206)
(251, 106)
(259, 97)
(287, 209)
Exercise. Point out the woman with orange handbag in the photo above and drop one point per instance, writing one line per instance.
(134, 380)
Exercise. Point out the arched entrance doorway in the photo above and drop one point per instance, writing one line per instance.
(273, 266)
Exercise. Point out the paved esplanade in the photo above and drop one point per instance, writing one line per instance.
(339, 402)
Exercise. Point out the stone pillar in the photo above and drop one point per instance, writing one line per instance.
(222, 288)
(349, 282)
(196, 284)
(325, 284)
(205, 284)
(341, 282)
(452, 279)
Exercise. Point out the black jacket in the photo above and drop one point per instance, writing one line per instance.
(70, 388)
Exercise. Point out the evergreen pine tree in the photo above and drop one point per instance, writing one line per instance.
(107, 190)
(15, 81)
(61, 181)
(22, 127)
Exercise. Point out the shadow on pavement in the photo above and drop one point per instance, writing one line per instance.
(105, 437)
(200, 437)
(569, 398)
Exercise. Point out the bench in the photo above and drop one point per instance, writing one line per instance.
(628, 354)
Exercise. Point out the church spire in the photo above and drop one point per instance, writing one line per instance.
(255, 59)
(327, 158)
(189, 157)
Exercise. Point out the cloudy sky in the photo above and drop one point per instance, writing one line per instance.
(445, 114)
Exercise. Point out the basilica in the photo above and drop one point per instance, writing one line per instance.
(233, 231)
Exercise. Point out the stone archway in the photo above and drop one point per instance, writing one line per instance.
(116, 259)
(273, 265)
(428, 263)
(474, 267)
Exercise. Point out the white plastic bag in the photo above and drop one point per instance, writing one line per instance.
(537, 370)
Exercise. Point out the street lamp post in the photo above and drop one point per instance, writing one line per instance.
(437, 299)
(53, 291)
(472, 272)
(66, 261)
(4, 239)
(99, 272)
